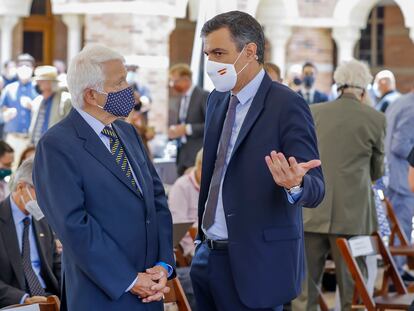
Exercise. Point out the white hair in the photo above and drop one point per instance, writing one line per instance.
(85, 70)
(388, 76)
(23, 174)
(353, 75)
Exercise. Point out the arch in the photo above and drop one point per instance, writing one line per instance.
(355, 12)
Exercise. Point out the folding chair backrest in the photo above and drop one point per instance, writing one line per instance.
(366, 246)
(177, 295)
(396, 229)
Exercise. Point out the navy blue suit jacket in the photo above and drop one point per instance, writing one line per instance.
(318, 97)
(109, 233)
(265, 231)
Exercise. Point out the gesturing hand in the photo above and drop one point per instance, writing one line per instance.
(288, 174)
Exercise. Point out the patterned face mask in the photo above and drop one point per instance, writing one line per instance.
(120, 103)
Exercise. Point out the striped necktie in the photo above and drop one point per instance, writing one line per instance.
(33, 284)
(118, 152)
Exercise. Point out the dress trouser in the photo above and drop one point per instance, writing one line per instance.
(317, 247)
(213, 282)
(404, 210)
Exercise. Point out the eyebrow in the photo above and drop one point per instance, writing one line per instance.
(215, 51)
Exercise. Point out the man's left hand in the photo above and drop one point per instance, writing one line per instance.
(176, 131)
(288, 174)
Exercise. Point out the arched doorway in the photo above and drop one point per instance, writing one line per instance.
(38, 32)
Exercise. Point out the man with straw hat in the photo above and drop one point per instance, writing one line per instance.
(51, 106)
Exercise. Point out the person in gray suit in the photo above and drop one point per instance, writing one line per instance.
(187, 116)
(29, 260)
(350, 139)
(398, 144)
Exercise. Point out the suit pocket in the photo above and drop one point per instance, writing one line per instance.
(281, 233)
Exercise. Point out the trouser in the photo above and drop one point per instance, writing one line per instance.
(404, 210)
(317, 247)
(213, 283)
(19, 142)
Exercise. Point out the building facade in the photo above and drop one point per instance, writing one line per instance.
(155, 34)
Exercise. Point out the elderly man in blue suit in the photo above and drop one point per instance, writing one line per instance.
(260, 167)
(102, 196)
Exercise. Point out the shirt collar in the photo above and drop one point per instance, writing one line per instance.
(190, 91)
(18, 215)
(94, 123)
(250, 89)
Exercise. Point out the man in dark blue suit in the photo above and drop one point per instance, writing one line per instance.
(102, 196)
(308, 91)
(260, 167)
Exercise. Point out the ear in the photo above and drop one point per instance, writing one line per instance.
(90, 97)
(251, 51)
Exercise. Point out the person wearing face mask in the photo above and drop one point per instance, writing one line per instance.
(352, 159)
(6, 161)
(187, 116)
(10, 73)
(385, 90)
(29, 262)
(16, 105)
(308, 91)
(51, 106)
(260, 167)
(102, 196)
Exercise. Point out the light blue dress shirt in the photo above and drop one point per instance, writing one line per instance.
(218, 231)
(18, 217)
(97, 127)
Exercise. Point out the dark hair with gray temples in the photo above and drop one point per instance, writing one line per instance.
(243, 28)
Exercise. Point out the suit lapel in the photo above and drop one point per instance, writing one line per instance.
(214, 127)
(43, 243)
(133, 151)
(9, 234)
(97, 149)
(254, 112)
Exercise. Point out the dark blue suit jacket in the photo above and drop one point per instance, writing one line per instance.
(265, 231)
(109, 233)
(318, 97)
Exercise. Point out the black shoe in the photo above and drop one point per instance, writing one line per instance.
(407, 277)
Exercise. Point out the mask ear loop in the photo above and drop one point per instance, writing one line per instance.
(30, 195)
(104, 93)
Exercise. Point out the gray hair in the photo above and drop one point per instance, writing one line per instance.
(85, 71)
(353, 75)
(23, 174)
(244, 29)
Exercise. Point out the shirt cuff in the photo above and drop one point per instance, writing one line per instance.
(167, 267)
(25, 296)
(132, 285)
(188, 130)
(293, 198)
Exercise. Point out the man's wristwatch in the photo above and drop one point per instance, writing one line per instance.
(294, 189)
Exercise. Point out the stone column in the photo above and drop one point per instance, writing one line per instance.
(7, 24)
(278, 36)
(346, 38)
(74, 24)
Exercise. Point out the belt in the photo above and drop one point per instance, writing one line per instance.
(217, 245)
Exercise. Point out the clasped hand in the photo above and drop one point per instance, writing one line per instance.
(151, 285)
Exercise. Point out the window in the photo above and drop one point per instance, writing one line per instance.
(371, 45)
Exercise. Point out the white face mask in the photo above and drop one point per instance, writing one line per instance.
(223, 76)
(33, 207)
(24, 73)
